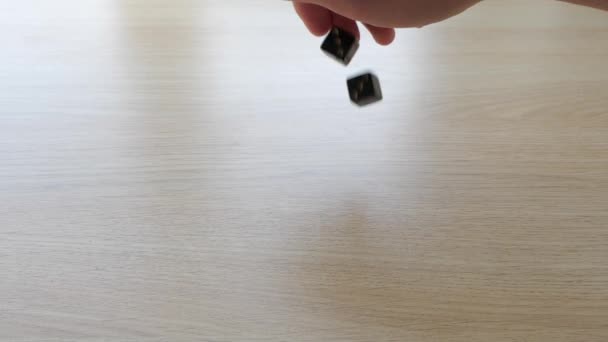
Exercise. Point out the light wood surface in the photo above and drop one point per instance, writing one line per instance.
(193, 171)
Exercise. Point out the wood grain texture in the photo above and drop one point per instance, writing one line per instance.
(193, 171)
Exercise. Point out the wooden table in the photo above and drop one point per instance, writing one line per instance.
(194, 171)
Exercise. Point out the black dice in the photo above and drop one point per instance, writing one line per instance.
(340, 45)
(364, 89)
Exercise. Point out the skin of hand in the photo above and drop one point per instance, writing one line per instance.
(599, 4)
(380, 17)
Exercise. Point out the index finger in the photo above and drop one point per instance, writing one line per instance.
(317, 19)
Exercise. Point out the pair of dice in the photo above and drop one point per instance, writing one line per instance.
(363, 89)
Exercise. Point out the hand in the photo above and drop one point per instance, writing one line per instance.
(380, 17)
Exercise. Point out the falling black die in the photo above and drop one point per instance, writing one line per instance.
(364, 89)
(340, 45)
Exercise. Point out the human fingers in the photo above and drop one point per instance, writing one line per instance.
(317, 19)
(382, 35)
